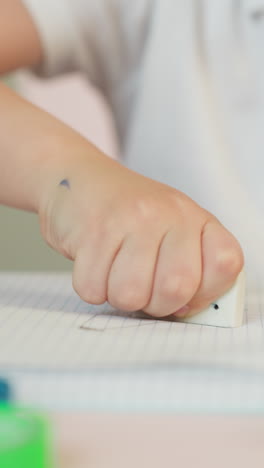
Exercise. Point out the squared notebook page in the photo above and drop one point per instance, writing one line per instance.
(45, 326)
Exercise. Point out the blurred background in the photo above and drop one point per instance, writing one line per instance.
(75, 102)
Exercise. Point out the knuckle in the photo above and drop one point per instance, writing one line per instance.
(128, 299)
(99, 233)
(179, 289)
(180, 203)
(145, 211)
(89, 293)
(177, 200)
(229, 261)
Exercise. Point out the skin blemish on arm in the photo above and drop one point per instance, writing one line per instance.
(65, 183)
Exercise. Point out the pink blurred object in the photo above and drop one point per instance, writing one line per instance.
(74, 101)
(155, 441)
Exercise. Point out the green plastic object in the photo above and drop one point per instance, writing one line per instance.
(24, 439)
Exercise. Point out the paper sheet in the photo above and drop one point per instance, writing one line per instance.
(44, 325)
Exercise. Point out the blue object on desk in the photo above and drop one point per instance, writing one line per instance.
(5, 391)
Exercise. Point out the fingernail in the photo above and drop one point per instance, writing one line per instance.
(182, 311)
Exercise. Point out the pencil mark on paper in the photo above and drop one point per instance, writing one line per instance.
(118, 321)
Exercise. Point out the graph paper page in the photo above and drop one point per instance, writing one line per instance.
(44, 325)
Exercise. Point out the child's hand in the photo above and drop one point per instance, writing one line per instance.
(137, 243)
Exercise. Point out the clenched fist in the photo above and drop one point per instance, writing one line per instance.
(137, 243)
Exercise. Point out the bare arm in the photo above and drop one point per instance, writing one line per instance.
(136, 243)
(36, 152)
(19, 47)
(19, 41)
(35, 148)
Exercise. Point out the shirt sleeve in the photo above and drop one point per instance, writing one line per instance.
(58, 33)
(102, 38)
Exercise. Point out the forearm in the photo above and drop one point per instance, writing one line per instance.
(37, 151)
(19, 40)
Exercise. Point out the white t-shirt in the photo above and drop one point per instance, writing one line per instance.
(185, 81)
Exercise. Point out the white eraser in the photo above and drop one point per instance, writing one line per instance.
(227, 311)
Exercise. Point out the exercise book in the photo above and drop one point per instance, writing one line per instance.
(49, 336)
